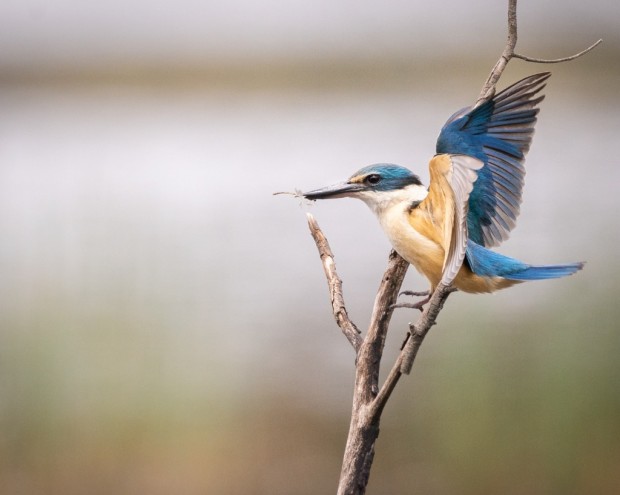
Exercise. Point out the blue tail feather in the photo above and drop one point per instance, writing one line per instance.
(544, 272)
(487, 263)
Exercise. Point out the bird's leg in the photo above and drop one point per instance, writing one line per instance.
(414, 293)
(418, 305)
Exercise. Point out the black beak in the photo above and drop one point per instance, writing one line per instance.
(341, 190)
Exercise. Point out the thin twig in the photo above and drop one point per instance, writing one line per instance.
(419, 330)
(339, 309)
(488, 89)
(557, 60)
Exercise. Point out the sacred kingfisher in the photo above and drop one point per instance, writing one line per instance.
(476, 182)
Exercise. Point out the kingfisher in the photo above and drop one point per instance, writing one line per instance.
(476, 181)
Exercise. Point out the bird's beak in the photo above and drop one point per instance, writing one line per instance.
(342, 190)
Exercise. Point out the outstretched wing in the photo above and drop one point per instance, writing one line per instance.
(498, 132)
(452, 181)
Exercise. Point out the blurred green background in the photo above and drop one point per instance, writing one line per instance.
(164, 320)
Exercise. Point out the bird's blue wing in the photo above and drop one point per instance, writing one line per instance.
(498, 132)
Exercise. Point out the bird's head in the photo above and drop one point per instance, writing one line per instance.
(377, 185)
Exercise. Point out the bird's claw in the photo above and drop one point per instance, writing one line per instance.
(418, 305)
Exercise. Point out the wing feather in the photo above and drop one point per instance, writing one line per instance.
(453, 177)
(497, 132)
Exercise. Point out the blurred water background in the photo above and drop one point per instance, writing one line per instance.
(164, 320)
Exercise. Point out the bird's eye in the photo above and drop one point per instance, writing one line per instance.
(373, 179)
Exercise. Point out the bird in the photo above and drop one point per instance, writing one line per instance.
(446, 230)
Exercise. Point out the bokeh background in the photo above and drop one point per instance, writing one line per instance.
(164, 320)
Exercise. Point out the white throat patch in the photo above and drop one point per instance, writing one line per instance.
(380, 201)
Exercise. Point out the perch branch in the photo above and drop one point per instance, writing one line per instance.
(334, 283)
(418, 331)
(415, 337)
(369, 359)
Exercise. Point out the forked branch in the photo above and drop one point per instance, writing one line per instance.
(509, 52)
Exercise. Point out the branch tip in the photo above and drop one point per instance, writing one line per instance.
(312, 221)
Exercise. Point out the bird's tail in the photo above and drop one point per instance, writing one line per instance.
(488, 263)
(544, 272)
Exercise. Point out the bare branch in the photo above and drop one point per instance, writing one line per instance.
(380, 319)
(348, 328)
(557, 60)
(412, 343)
(364, 428)
(419, 330)
(488, 90)
(389, 385)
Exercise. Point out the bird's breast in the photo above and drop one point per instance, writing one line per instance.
(415, 234)
(412, 236)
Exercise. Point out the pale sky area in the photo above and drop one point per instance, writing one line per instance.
(71, 32)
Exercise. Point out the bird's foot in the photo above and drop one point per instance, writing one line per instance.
(417, 305)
